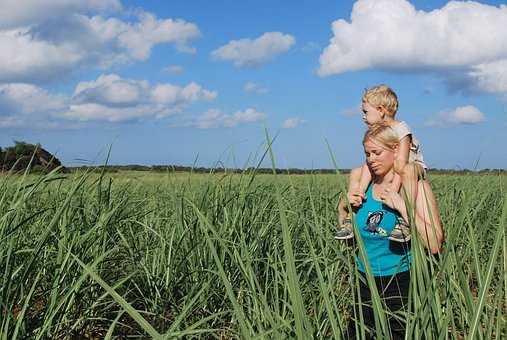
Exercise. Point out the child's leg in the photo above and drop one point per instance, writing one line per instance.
(342, 209)
(364, 180)
(345, 230)
(410, 175)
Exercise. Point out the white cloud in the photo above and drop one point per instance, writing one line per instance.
(311, 46)
(109, 98)
(461, 115)
(112, 98)
(466, 115)
(212, 118)
(174, 69)
(252, 87)
(96, 112)
(490, 77)
(24, 105)
(461, 38)
(59, 45)
(25, 59)
(111, 90)
(24, 99)
(15, 13)
(139, 38)
(171, 94)
(248, 116)
(249, 53)
(215, 118)
(10, 122)
(292, 123)
(351, 111)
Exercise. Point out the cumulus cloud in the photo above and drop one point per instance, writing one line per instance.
(247, 116)
(27, 98)
(461, 115)
(489, 77)
(29, 12)
(292, 123)
(24, 105)
(46, 50)
(212, 118)
(215, 118)
(252, 87)
(109, 98)
(351, 111)
(174, 69)
(461, 38)
(311, 46)
(250, 53)
(112, 98)
(139, 38)
(25, 59)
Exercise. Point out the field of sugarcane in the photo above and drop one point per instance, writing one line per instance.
(227, 256)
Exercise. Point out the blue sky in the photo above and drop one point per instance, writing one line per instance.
(179, 81)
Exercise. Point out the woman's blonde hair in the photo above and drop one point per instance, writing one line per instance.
(382, 95)
(382, 133)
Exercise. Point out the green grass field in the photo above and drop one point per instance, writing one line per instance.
(137, 254)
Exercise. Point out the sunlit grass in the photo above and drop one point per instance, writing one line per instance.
(229, 256)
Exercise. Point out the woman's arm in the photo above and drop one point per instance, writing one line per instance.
(424, 210)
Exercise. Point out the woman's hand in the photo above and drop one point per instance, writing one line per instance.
(393, 200)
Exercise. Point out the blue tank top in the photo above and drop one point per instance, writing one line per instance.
(375, 221)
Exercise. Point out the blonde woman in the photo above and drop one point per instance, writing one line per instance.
(380, 211)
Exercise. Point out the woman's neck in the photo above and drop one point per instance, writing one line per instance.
(385, 179)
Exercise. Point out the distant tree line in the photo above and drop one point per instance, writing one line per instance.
(22, 155)
(180, 168)
(293, 171)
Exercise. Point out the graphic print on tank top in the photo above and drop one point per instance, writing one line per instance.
(373, 223)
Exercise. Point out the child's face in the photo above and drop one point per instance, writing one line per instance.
(371, 114)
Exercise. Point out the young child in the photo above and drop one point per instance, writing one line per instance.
(380, 104)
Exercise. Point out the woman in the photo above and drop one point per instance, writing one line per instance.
(389, 261)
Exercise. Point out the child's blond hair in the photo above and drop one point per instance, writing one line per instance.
(382, 95)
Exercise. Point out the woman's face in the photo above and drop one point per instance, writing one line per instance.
(379, 157)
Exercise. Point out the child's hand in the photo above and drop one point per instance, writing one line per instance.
(355, 198)
(392, 199)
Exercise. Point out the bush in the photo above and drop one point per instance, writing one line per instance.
(19, 156)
